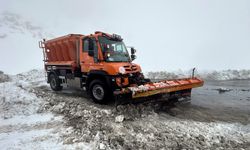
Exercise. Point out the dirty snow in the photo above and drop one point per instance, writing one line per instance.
(34, 117)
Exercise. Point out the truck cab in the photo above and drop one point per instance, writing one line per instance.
(104, 59)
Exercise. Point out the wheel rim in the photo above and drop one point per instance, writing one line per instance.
(53, 83)
(98, 92)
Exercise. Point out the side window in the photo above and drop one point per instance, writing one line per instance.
(85, 45)
(88, 45)
(91, 45)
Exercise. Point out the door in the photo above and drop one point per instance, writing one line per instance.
(89, 54)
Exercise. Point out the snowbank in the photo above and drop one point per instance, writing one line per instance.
(226, 75)
(207, 75)
(4, 77)
(34, 75)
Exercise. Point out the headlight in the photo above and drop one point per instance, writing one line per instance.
(122, 70)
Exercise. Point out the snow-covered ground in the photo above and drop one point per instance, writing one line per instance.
(34, 117)
(22, 125)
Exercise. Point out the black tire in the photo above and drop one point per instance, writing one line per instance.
(55, 82)
(98, 91)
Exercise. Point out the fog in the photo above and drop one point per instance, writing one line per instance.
(168, 35)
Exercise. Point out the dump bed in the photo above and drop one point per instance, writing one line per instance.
(62, 51)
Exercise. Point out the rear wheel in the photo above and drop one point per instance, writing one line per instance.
(55, 83)
(98, 91)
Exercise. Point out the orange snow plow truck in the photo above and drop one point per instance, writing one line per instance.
(100, 64)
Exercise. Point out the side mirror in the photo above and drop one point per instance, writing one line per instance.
(133, 57)
(133, 51)
(91, 52)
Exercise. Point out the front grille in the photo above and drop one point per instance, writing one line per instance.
(134, 67)
(130, 68)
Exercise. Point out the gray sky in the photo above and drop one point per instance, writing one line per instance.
(168, 34)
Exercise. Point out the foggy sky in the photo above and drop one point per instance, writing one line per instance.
(168, 35)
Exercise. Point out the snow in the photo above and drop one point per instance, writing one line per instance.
(119, 118)
(33, 117)
(22, 126)
(147, 87)
(30, 119)
(36, 139)
(208, 75)
(211, 131)
(16, 101)
(226, 75)
(4, 77)
(28, 140)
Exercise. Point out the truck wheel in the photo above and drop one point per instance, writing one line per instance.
(98, 91)
(55, 83)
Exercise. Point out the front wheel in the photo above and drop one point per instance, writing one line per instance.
(55, 83)
(98, 91)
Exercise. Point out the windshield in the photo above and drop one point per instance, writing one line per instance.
(113, 50)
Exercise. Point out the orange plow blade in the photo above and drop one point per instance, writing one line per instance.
(162, 87)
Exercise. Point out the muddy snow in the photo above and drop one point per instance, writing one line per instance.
(34, 117)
